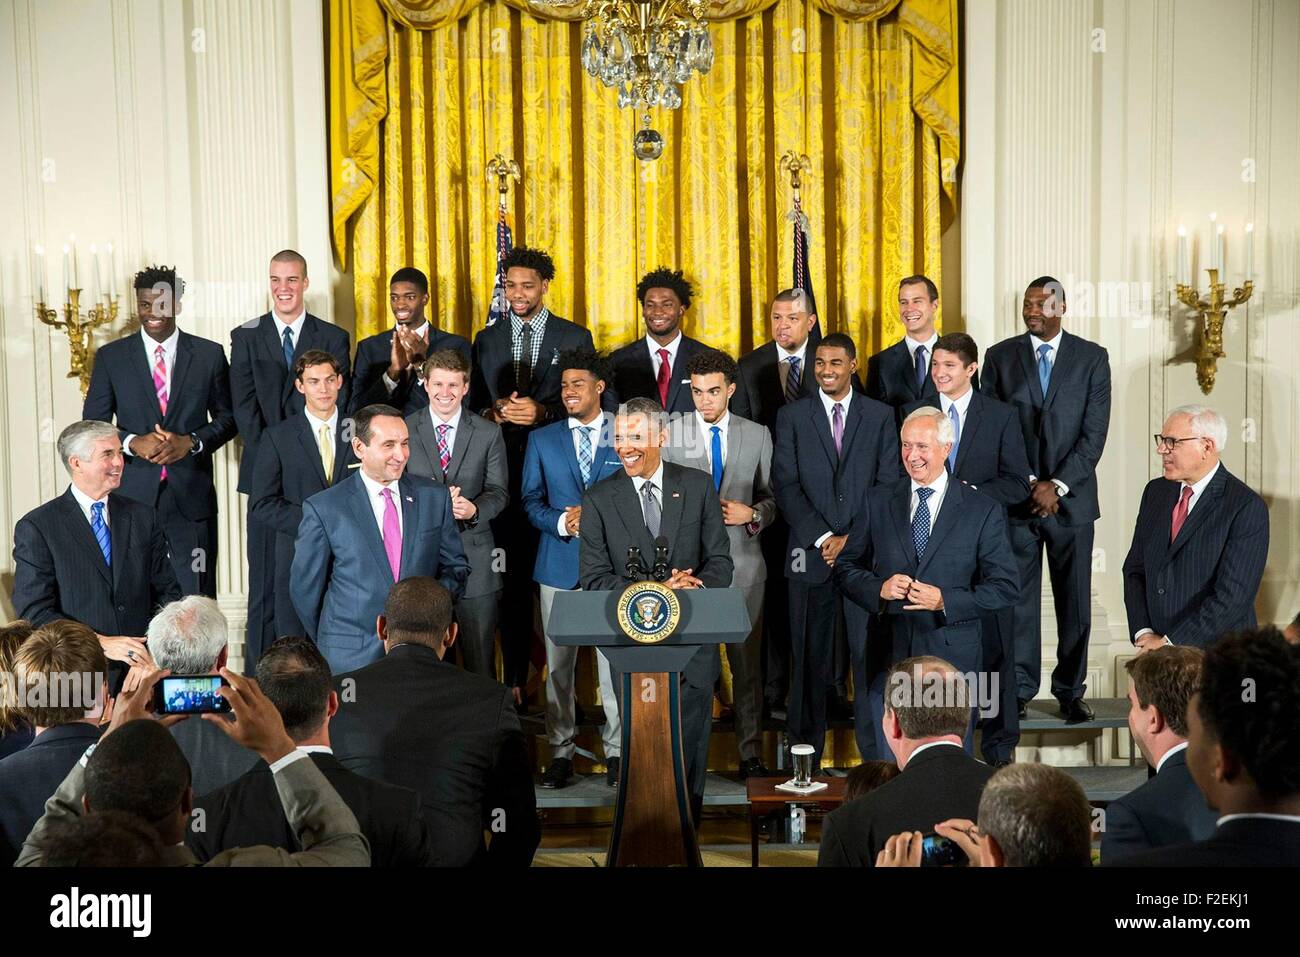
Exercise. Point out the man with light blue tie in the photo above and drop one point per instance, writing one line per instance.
(562, 461)
(1059, 385)
(900, 374)
(370, 530)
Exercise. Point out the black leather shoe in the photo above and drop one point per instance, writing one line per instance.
(1076, 711)
(1022, 707)
(558, 773)
(611, 771)
(753, 768)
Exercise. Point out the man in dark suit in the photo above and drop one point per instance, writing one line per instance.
(305, 454)
(515, 382)
(375, 527)
(929, 555)
(1169, 808)
(189, 637)
(413, 720)
(92, 555)
(900, 374)
(466, 453)
(296, 679)
(649, 500)
(1244, 754)
(654, 367)
(388, 363)
(169, 394)
(563, 460)
(64, 729)
(927, 710)
(770, 377)
(263, 352)
(1194, 568)
(829, 447)
(1060, 386)
(988, 454)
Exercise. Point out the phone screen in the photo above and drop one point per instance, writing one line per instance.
(939, 851)
(189, 694)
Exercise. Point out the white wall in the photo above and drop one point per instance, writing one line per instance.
(1093, 129)
(188, 132)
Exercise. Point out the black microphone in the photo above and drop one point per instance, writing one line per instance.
(635, 568)
(661, 559)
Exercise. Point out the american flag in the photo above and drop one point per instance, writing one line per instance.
(802, 275)
(497, 308)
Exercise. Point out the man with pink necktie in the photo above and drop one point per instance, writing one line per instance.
(372, 529)
(168, 392)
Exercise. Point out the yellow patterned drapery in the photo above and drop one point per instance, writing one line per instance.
(424, 92)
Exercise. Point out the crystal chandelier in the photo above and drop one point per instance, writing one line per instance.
(646, 48)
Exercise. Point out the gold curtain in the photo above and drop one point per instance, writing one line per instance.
(424, 92)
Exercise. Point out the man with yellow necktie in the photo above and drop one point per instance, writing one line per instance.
(303, 455)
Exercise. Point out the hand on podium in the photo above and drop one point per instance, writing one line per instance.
(682, 578)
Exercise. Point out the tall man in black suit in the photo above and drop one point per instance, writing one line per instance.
(1244, 754)
(413, 720)
(466, 453)
(900, 374)
(515, 383)
(654, 367)
(262, 356)
(829, 448)
(169, 393)
(388, 363)
(773, 375)
(305, 454)
(652, 499)
(1060, 386)
(1194, 567)
(929, 555)
(1169, 808)
(296, 679)
(92, 555)
(988, 454)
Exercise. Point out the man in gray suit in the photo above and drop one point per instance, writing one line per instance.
(466, 453)
(737, 454)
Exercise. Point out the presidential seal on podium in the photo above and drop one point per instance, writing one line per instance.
(648, 612)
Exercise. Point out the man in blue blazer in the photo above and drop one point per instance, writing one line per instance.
(563, 460)
(829, 447)
(169, 394)
(1169, 808)
(1059, 384)
(930, 556)
(988, 454)
(1200, 543)
(374, 528)
(388, 363)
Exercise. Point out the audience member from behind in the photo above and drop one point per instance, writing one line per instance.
(15, 731)
(105, 839)
(138, 768)
(927, 710)
(60, 680)
(1168, 808)
(868, 776)
(188, 637)
(1030, 815)
(414, 720)
(295, 676)
(1243, 733)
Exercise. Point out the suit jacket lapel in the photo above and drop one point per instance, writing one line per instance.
(142, 372)
(852, 420)
(120, 537)
(676, 372)
(365, 515)
(731, 464)
(342, 453)
(906, 367)
(1059, 369)
(822, 426)
(671, 495)
(899, 508)
(970, 428)
(1029, 365)
(949, 512)
(184, 357)
(311, 448)
(629, 509)
(79, 528)
(410, 522)
(1197, 518)
(306, 339)
(427, 439)
(545, 351)
(460, 445)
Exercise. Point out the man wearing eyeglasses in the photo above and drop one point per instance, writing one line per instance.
(1200, 544)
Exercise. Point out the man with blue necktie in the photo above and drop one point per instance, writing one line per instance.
(900, 374)
(1059, 385)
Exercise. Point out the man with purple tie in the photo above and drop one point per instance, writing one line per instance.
(375, 527)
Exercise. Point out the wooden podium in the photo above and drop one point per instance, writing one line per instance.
(652, 817)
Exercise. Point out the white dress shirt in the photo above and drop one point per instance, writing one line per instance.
(962, 403)
(423, 333)
(658, 480)
(1172, 751)
(294, 326)
(374, 494)
(597, 422)
(932, 744)
(1289, 818)
(829, 405)
(940, 487)
(783, 364)
(85, 501)
(654, 348)
(913, 345)
(151, 360)
(706, 430)
(453, 422)
(316, 423)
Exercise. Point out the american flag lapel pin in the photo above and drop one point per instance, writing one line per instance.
(677, 494)
(409, 499)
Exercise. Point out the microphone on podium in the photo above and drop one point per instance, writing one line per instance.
(660, 572)
(635, 568)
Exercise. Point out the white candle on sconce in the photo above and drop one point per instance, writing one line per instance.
(94, 274)
(1182, 277)
(1250, 252)
(1214, 218)
(1218, 252)
(38, 279)
(72, 243)
(111, 291)
(67, 267)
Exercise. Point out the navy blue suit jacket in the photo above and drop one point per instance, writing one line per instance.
(968, 558)
(991, 452)
(122, 390)
(262, 385)
(1244, 842)
(29, 777)
(1065, 431)
(634, 375)
(891, 379)
(553, 482)
(818, 491)
(1168, 809)
(340, 576)
(372, 362)
(1203, 584)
